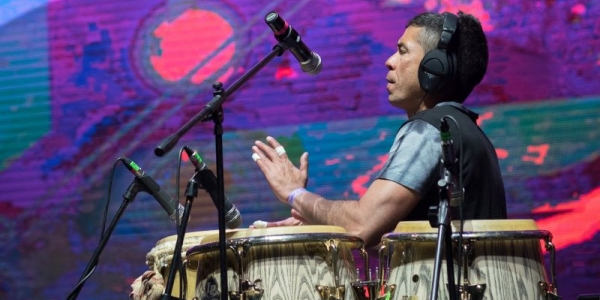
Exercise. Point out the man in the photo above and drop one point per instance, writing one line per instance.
(439, 60)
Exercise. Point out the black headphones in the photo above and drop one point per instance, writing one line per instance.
(438, 67)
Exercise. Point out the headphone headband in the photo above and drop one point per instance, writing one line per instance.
(448, 29)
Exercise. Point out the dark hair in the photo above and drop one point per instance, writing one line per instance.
(469, 44)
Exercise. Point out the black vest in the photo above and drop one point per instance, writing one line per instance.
(484, 196)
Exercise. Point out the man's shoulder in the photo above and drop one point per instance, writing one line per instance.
(417, 125)
(437, 112)
(456, 110)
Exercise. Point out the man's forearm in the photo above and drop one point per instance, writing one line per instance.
(318, 210)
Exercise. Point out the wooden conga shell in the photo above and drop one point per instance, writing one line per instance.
(289, 261)
(505, 256)
(160, 257)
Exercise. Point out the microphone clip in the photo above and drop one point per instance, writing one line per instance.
(449, 183)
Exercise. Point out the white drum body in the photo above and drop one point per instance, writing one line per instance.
(160, 258)
(502, 259)
(300, 262)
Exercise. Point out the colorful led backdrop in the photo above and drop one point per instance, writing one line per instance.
(85, 82)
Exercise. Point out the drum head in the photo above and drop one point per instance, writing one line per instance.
(196, 235)
(470, 225)
(272, 231)
(162, 254)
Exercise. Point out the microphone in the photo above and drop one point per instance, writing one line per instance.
(450, 162)
(208, 181)
(310, 62)
(166, 201)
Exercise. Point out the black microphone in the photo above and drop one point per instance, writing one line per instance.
(450, 162)
(310, 62)
(166, 201)
(208, 181)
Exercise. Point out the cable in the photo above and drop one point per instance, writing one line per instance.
(110, 182)
(177, 182)
(180, 268)
(419, 105)
(82, 281)
(460, 203)
(102, 229)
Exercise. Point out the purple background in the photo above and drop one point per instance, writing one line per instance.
(79, 90)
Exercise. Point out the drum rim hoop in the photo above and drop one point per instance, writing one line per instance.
(279, 239)
(478, 235)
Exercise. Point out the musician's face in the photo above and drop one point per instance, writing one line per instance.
(402, 77)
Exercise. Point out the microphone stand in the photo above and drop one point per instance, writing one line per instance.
(442, 220)
(213, 110)
(191, 191)
(128, 197)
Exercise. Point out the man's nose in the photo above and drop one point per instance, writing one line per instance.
(389, 63)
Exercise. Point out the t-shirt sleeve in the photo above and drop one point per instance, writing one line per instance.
(414, 157)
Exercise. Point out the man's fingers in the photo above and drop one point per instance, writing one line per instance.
(273, 142)
(296, 215)
(281, 151)
(266, 151)
(286, 222)
(304, 163)
(258, 156)
(259, 224)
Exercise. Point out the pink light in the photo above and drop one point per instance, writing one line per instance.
(540, 150)
(574, 222)
(502, 153)
(488, 115)
(285, 72)
(333, 161)
(189, 39)
(359, 185)
(474, 8)
(578, 9)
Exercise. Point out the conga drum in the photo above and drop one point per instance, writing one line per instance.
(298, 262)
(501, 259)
(160, 257)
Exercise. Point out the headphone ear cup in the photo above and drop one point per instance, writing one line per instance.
(435, 71)
(437, 68)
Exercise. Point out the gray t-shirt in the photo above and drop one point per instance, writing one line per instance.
(414, 162)
(414, 157)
